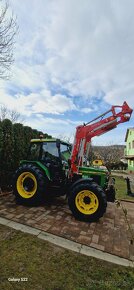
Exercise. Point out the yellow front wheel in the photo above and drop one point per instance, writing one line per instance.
(87, 201)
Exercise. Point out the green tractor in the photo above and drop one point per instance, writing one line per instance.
(53, 167)
(46, 173)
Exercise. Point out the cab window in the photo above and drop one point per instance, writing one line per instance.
(34, 152)
(65, 151)
(49, 150)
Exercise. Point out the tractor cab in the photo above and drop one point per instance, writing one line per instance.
(48, 150)
(53, 154)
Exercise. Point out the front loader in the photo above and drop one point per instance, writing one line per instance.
(53, 167)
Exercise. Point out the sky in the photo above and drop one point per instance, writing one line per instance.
(74, 59)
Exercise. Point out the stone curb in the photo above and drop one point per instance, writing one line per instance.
(67, 244)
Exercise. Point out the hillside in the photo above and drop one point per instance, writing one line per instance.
(112, 153)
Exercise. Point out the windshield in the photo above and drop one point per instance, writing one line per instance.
(43, 150)
(49, 150)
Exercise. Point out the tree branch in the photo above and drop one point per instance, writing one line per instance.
(8, 30)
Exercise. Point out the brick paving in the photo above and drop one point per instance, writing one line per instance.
(109, 234)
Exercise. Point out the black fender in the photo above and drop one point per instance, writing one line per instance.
(81, 180)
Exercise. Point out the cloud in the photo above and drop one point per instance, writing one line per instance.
(86, 49)
(42, 102)
(72, 58)
(86, 110)
(57, 127)
(56, 104)
(99, 42)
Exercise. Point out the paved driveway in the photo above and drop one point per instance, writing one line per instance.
(109, 234)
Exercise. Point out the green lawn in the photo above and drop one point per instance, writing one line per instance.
(121, 188)
(49, 267)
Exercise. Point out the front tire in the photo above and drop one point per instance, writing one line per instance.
(87, 201)
(29, 184)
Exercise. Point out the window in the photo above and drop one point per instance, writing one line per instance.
(133, 144)
(50, 149)
(129, 145)
(34, 151)
(65, 151)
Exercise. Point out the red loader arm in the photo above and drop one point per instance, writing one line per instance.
(86, 132)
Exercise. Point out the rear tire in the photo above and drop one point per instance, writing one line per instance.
(29, 184)
(87, 201)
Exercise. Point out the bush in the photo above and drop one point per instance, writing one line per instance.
(14, 144)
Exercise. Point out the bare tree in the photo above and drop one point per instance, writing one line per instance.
(65, 138)
(3, 112)
(8, 30)
(110, 153)
(12, 115)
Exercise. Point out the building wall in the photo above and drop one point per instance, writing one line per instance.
(130, 149)
(130, 165)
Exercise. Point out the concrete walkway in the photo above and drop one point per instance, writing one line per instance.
(108, 239)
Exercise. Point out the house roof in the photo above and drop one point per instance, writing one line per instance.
(132, 129)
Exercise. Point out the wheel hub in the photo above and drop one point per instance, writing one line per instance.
(87, 199)
(28, 184)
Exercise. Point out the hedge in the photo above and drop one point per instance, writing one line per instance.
(14, 144)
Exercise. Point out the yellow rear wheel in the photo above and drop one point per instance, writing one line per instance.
(26, 184)
(29, 184)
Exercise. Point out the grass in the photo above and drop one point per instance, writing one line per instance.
(121, 188)
(49, 267)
